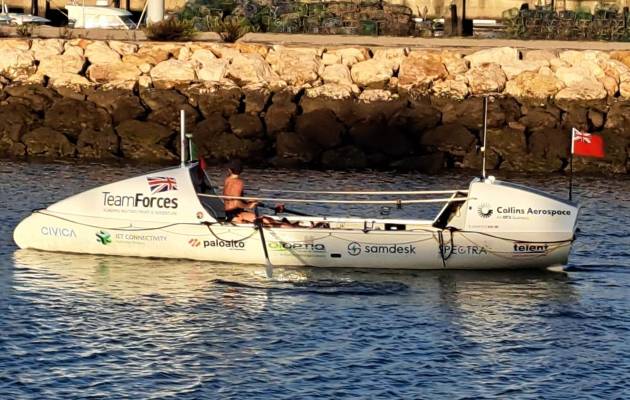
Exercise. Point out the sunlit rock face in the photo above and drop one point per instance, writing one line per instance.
(338, 107)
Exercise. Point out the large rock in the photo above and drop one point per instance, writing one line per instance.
(349, 56)
(321, 127)
(451, 138)
(170, 117)
(332, 96)
(375, 104)
(497, 55)
(144, 140)
(16, 64)
(248, 69)
(97, 144)
(121, 105)
(618, 117)
(211, 98)
(123, 48)
(212, 70)
(70, 85)
(414, 121)
(347, 157)
(551, 144)
(586, 90)
(516, 68)
(37, 98)
(99, 52)
(47, 143)
(210, 127)
(156, 99)
(256, 98)
(146, 55)
(337, 73)
(534, 85)
(420, 69)
(278, 117)
(15, 120)
(55, 65)
(226, 146)
(451, 88)
(296, 66)
(43, 48)
(454, 62)
(622, 56)
(539, 55)
(539, 119)
(171, 73)
(391, 56)
(575, 75)
(486, 78)
(373, 73)
(583, 57)
(16, 44)
(246, 126)
(294, 147)
(469, 113)
(72, 116)
(114, 72)
(373, 136)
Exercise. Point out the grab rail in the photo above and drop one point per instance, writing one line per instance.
(331, 201)
(368, 193)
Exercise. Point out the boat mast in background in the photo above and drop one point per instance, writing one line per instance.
(485, 131)
(182, 138)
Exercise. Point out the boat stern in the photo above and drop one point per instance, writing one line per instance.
(519, 212)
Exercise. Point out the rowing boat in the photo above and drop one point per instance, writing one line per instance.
(178, 213)
(173, 214)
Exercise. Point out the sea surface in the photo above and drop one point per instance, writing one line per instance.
(75, 326)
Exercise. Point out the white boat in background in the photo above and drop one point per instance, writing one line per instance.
(100, 16)
(20, 18)
(177, 213)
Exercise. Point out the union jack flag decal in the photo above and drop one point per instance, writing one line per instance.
(159, 184)
(581, 136)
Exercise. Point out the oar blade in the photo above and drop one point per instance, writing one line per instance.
(268, 268)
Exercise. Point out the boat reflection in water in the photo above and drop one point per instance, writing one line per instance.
(482, 296)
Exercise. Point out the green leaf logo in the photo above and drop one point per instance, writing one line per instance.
(103, 237)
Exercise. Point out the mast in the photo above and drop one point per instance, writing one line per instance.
(485, 134)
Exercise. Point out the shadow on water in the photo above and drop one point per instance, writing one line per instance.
(130, 277)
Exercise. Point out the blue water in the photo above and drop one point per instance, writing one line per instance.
(75, 326)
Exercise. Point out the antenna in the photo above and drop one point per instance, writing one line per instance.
(182, 138)
(485, 131)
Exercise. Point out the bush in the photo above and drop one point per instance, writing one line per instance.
(170, 30)
(24, 30)
(231, 28)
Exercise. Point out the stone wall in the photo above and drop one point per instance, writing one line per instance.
(311, 107)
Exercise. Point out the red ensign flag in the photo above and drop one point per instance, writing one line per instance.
(586, 144)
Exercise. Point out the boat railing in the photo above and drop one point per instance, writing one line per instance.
(367, 193)
(337, 201)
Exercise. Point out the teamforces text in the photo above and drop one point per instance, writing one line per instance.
(139, 200)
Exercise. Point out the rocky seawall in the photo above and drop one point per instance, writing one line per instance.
(352, 107)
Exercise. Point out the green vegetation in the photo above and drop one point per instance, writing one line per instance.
(24, 30)
(172, 29)
(231, 28)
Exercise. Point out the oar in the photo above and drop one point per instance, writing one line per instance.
(279, 208)
(268, 265)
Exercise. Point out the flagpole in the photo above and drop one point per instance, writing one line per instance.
(571, 165)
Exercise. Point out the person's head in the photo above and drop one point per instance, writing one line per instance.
(235, 167)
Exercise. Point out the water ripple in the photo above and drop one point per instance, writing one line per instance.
(76, 326)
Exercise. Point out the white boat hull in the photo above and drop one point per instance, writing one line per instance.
(164, 214)
(328, 248)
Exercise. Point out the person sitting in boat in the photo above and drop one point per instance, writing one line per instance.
(237, 210)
